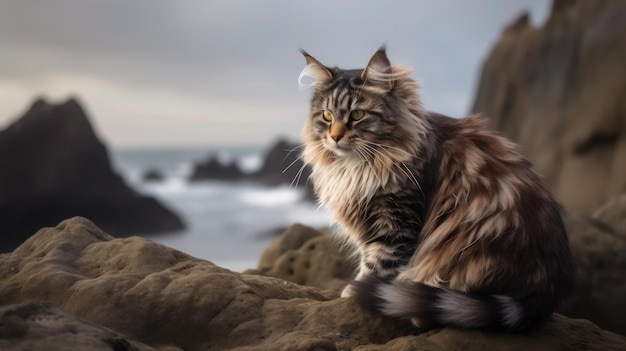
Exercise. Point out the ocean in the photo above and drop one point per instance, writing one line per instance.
(228, 223)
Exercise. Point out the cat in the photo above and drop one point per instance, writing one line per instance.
(451, 224)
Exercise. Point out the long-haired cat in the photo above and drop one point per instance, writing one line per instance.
(451, 225)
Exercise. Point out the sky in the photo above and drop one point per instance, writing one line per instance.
(225, 72)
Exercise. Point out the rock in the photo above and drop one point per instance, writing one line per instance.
(214, 169)
(160, 296)
(308, 257)
(54, 166)
(564, 329)
(42, 327)
(558, 91)
(613, 214)
(164, 298)
(600, 260)
(282, 165)
(152, 175)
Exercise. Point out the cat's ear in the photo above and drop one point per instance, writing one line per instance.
(378, 71)
(315, 70)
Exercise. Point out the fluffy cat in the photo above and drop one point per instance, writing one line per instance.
(451, 225)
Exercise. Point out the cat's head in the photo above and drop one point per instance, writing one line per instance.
(362, 115)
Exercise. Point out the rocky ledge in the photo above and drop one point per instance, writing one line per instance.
(96, 292)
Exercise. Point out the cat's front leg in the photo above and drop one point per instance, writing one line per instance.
(381, 259)
(363, 272)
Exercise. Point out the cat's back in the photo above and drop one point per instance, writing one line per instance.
(468, 144)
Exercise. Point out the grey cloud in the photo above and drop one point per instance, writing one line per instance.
(248, 50)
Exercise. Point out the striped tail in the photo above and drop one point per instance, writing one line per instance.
(437, 307)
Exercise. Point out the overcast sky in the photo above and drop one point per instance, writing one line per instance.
(200, 72)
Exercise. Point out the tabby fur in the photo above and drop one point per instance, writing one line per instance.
(451, 225)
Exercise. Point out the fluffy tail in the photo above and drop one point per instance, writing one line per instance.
(434, 307)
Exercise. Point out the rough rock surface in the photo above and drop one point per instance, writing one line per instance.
(613, 214)
(166, 299)
(558, 91)
(42, 327)
(600, 258)
(53, 166)
(308, 257)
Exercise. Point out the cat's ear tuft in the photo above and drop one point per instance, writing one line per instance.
(314, 70)
(378, 71)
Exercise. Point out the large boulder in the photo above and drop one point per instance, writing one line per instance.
(309, 257)
(54, 167)
(558, 91)
(155, 295)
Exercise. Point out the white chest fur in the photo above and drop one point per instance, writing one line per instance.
(345, 184)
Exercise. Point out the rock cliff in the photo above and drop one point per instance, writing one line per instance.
(558, 91)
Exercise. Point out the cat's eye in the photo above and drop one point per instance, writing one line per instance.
(328, 116)
(357, 115)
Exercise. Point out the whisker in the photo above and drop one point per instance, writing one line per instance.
(291, 164)
(382, 146)
(296, 178)
(317, 150)
(289, 153)
(410, 174)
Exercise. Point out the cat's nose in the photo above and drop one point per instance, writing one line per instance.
(337, 131)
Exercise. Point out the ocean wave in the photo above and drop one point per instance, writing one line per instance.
(269, 197)
(225, 220)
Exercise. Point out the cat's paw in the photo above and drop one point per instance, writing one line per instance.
(348, 291)
(421, 325)
(418, 323)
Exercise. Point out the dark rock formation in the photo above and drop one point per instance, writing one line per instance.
(559, 92)
(53, 167)
(214, 169)
(153, 175)
(171, 301)
(282, 165)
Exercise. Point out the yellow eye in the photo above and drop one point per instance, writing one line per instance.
(357, 115)
(328, 116)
